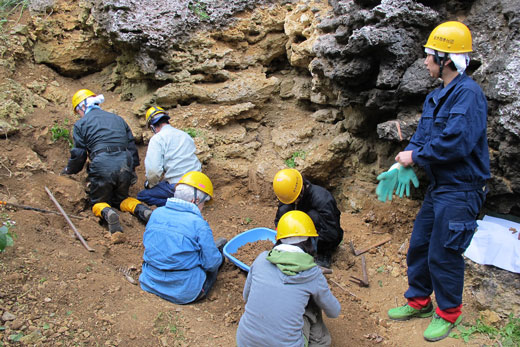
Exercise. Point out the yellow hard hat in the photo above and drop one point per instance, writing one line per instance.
(197, 180)
(450, 37)
(295, 223)
(155, 113)
(79, 96)
(287, 185)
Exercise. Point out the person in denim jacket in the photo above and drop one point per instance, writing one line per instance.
(450, 144)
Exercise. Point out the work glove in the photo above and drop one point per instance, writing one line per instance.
(387, 183)
(146, 185)
(405, 175)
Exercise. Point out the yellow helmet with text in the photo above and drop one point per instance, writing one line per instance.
(197, 180)
(79, 96)
(295, 223)
(287, 185)
(450, 37)
(155, 113)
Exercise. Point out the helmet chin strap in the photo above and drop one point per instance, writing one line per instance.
(440, 61)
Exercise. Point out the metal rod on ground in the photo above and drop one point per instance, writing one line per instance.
(76, 232)
(344, 289)
(369, 247)
(30, 208)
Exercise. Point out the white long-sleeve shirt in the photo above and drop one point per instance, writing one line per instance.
(171, 151)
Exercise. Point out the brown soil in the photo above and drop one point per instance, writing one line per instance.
(248, 252)
(62, 295)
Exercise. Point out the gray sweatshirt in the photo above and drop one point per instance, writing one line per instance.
(275, 302)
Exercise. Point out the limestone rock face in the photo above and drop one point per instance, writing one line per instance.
(16, 103)
(307, 76)
(495, 289)
(62, 45)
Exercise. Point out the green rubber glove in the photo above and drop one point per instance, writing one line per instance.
(387, 183)
(405, 175)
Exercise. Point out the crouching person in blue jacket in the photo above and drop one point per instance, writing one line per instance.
(285, 291)
(181, 259)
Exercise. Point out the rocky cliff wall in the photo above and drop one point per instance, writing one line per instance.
(316, 84)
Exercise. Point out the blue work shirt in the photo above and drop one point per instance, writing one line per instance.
(178, 251)
(170, 152)
(451, 138)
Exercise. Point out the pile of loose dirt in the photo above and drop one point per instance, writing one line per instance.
(248, 252)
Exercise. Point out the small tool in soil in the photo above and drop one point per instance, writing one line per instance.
(126, 272)
(76, 232)
(361, 282)
(364, 250)
(343, 288)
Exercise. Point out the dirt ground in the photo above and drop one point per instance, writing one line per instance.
(59, 294)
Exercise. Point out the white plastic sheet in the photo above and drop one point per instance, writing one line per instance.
(495, 244)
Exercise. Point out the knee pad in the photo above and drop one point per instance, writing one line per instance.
(97, 208)
(129, 204)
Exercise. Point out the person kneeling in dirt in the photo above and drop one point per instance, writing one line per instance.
(171, 152)
(297, 193)
(285, 291)
(109, 143)
(181, 260)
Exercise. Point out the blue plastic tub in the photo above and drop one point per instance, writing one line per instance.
(241, 239)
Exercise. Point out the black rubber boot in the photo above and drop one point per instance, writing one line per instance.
(143, 213)
(220, 243)
(112, 218)
(323, 260)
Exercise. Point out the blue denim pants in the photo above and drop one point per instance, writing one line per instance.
(157, 195)
(442, 231)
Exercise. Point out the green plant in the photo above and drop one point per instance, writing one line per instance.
(192, 132)
(166, 323)
(508, 335)
(61, 132)
(298, 154)
(7, 236)
(247, 220)
(7, 7)
(199, 9)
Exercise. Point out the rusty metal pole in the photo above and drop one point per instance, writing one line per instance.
(76, 232)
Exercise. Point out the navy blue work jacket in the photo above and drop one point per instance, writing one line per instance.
(450, 142)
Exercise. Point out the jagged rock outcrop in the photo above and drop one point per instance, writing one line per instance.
(349, 70)
(493, 288)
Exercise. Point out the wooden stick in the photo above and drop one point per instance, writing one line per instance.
(76, 232)
(372, 246)
(30, 208)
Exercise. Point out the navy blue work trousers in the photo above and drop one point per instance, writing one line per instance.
(442, 231)
(157, 195)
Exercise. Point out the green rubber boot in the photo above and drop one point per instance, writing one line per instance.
(406, 312)
(439, 328)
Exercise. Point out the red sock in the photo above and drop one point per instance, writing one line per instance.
(450, 314)
(419, 302)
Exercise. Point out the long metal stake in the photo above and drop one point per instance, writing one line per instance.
(30, 208)
(76, 232)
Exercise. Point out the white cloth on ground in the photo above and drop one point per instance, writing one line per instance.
(495, 244)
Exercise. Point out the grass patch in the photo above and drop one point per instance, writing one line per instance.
(166, 325)
(192, 132)
(506, 336)
(199, 9)
(291, 161)
(61, 132)
(7, 7)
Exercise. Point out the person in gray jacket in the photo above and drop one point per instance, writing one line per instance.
(285, 291)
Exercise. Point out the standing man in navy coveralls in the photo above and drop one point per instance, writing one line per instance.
(450, 144)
